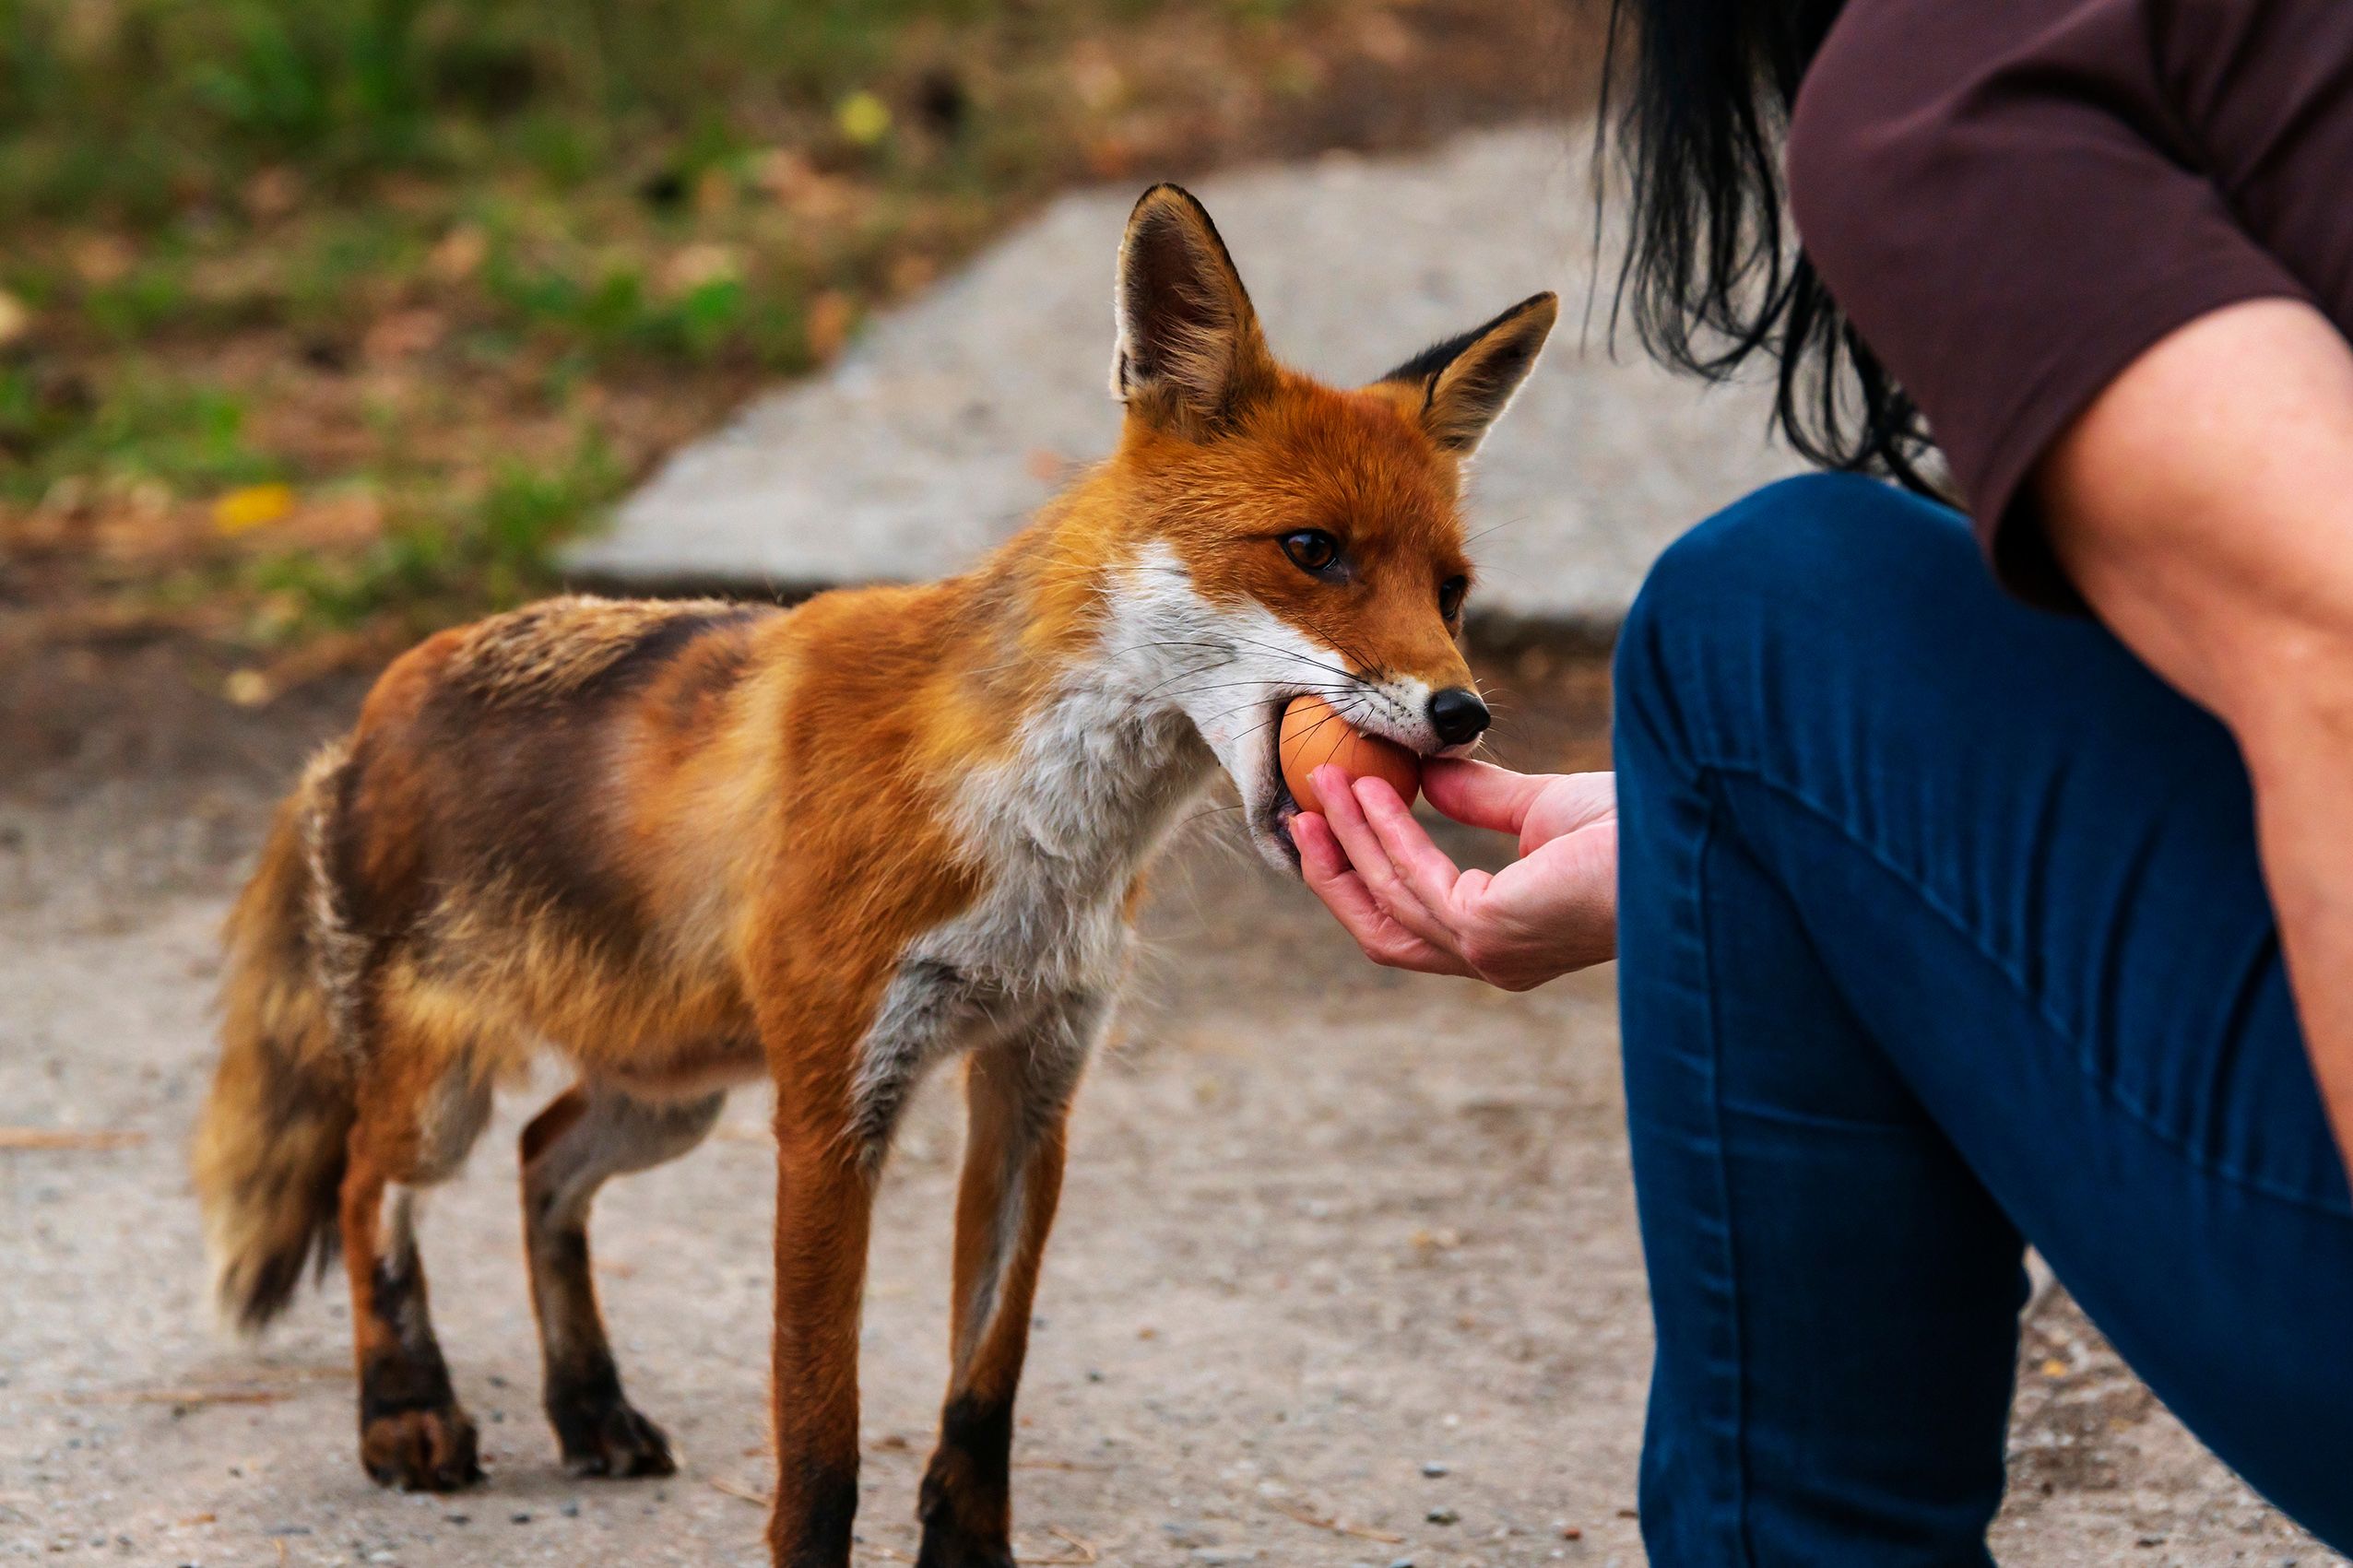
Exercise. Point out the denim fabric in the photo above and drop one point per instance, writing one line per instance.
(1942, 931)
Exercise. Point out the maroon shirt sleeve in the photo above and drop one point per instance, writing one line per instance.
(2004, 197)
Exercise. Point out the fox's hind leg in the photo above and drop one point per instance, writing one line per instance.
(413, 1130)
(587, 1134)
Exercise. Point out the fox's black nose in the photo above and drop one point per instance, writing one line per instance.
(1458, 714)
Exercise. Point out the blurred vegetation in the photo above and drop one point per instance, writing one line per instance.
(328, 319)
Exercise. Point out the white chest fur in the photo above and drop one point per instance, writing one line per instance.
(1105, 765)
(1061, 830)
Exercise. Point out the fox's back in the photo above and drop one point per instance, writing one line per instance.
(478, 833)
(586, 817)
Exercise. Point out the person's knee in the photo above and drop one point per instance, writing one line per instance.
(1797, 555)
(1800, 534)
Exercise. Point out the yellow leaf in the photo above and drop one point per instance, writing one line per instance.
(863, 118)
(254, 506)
(16, 318)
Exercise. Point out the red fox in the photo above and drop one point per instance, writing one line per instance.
(686, 844)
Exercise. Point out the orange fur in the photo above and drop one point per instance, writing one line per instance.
(694, 843)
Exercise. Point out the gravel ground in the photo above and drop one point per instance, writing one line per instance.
(1346, 1274)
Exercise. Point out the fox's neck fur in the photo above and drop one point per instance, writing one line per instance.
(1098, 655)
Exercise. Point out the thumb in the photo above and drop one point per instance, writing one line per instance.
(1481, 794)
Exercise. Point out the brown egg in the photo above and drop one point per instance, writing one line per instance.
(1314, 733)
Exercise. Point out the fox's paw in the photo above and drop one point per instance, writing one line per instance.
(611, 1440)
(429, 1450)
(942, 1548)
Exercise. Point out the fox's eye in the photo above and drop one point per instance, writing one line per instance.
(1312, 552)
(1450, 593)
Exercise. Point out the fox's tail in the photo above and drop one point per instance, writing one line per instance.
(269, 1152)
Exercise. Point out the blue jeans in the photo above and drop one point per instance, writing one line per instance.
(1941, 931)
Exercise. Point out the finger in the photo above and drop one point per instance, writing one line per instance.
(1481, 794)
(1324, 867)
(1345, 816)
(1325, 871)
(1421, 863)
(1595, 795)
(1322, 860)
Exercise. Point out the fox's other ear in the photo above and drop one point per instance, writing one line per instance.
(1466, 382)
(1190, 354)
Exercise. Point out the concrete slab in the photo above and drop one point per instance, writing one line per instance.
(951, 417)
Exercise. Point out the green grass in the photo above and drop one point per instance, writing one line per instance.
(489, 554)
(480, 261)
(144, 105)
(284, 175)
(184, 436)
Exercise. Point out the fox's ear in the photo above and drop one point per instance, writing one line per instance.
(1464, 383)
(1190, 353)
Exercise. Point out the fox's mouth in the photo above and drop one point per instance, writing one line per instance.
(1271, 808)
(1283, 810)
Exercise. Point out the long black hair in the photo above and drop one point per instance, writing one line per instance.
(1696, 98)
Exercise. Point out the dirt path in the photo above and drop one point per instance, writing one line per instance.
(1328, 1232)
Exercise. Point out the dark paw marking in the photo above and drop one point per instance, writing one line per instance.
(616, 1442)
(420, 1450)
(967, 1518)
(946, 1548)
(943, 1551)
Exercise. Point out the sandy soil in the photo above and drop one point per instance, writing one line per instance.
(1346, 1273)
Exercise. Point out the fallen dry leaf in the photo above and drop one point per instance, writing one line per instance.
(404, 334)
(831, 314)
(1079, 1544)
(70, 1138)
(782, 172)
(102, 258)
(737, 1489)
(274, 193)
(189, 1396)
(703, 260)
(1070, 1465)
(909, 273)
(459, 254)
(1358, 1532)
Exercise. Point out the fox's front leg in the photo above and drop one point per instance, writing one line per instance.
(825, 1203)
(1017, 1095)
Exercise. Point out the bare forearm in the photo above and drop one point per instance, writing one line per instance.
(2203, 506)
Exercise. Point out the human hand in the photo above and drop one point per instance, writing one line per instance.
(1552, 911)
